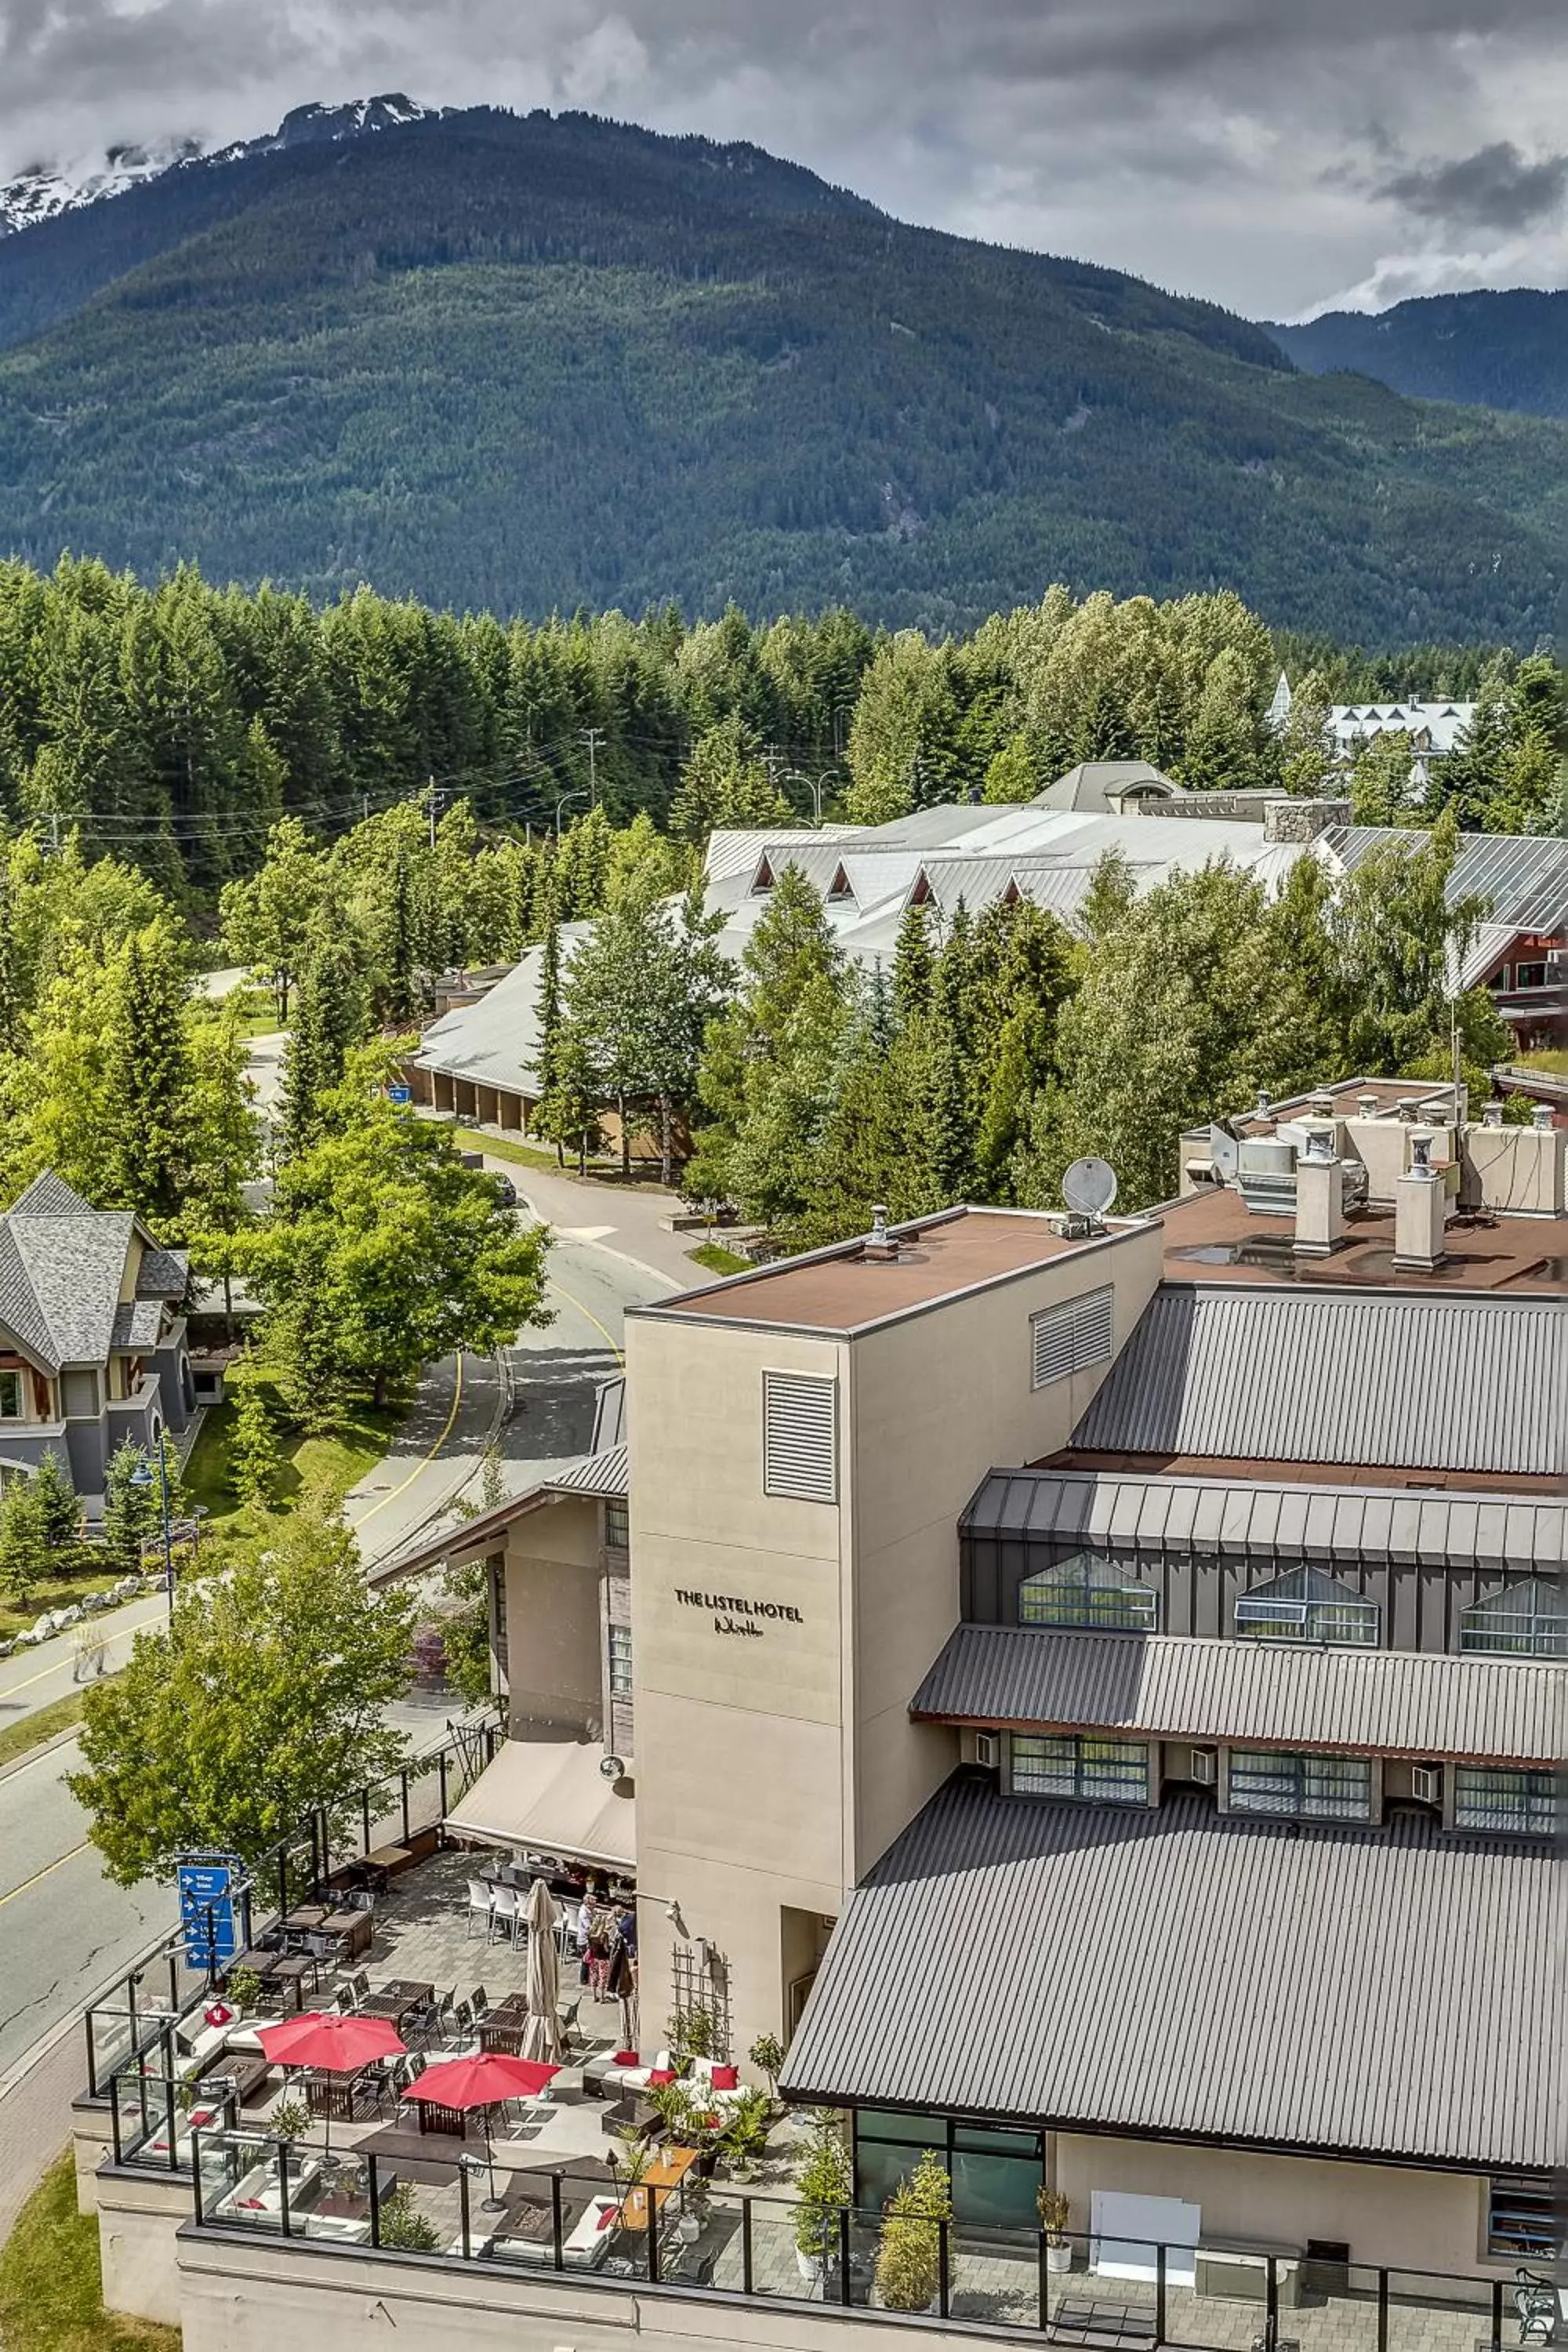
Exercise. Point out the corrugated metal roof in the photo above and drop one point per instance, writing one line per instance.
(1263, 1693)
(1394, 1991)
(1523, 876)
(604, 1474)
(1294, 1522)
(1446, 1383)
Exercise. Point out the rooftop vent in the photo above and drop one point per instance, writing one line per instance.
(881, 1244)
(1367, 1105)
(1492, 1114)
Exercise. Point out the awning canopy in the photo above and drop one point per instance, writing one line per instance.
(551, 1795)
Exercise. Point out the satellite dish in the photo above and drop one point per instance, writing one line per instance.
(1223, 1152)
(1089, 1187)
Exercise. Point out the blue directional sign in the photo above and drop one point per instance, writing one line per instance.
(209, 1908)
(400, 1094)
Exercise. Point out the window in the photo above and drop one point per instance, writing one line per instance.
(620, 1661)
(1530, 975)
(1523, 1621)
(1301, 1787)
(617, 1526)
(1521, 2218)
(1520, 1805)
(1071, 1338)
(10, 1396)
(1305, 1605)
(1090, 1589)
(800, 1436)
(1104, 1771)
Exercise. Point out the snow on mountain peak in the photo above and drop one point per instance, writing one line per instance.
(47, 190)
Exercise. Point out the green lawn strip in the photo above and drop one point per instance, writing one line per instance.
(1550, 1058)
(31, 1731)
(719, 1260)
(330, 1462)
(604, 1172)
(51, 2286)
(55, 1592)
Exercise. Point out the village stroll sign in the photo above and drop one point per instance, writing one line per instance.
(749, 1618)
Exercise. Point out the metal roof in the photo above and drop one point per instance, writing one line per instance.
(1394, 1993)
(604, 1474)
(1270, 1693)
(1523, 876)
(1468, 1384)
(1292, 1522)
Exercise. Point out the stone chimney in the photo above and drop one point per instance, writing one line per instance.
(1420, 1213)
(1286, 819)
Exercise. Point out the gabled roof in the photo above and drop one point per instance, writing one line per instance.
(1391, 1993)
(1091, 784)
(61, 1271)
(20, 1313)
(1268, 1693)
(162, 1273)
(49, 1196)
(1408, 1381)
(137, 1326)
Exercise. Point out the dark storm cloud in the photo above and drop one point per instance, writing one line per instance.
(1235, 147)
(1495, 188)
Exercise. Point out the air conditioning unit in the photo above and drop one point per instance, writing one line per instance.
(1426, 1783)
(1205, 1768)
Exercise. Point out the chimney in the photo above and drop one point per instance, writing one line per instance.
(1319, 1197)
(1420, 1212)
(1540, 1117)
(1492, 1114)
(1366, 1106)
(880, 1243)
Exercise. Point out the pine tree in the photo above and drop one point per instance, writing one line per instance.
(147, 1075)
(25, 1548)
(1013, 774)
(254, 1457)
(329, 1019)
(1306, 746)
(548, 1056)
(130, 1511)
(58, 1501)
(914, 965)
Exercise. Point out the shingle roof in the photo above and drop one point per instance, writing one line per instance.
(1468, 1384)
(1271, 1694)
(1391, 1991)
(49, 1196)
(1295, 1522)
(74, 1264)
(20, 1313)
(162, 1273)
(138, 1324)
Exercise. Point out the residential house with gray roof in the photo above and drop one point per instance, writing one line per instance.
(92, 1336)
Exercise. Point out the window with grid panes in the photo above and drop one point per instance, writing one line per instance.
(617, 1526)
(1102, 1772)
(1305, 1605)
(1090, 1589)
(1520, 1805)
(620, 1661)
(1301, 1787)
(1528, 1619)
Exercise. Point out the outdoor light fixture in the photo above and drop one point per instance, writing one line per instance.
(612, 1768)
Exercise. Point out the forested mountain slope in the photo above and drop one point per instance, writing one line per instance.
(541, 363)
(1500, 351)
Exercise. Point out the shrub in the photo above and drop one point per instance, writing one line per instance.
(825, 2185)
(909, 2259)
(402, 2227)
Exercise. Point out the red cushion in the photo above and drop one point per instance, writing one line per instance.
(610, 2213)
(661, 2074)
(726, 2078)
(627, 2058)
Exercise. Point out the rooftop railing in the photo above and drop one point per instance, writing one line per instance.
(704, 2238)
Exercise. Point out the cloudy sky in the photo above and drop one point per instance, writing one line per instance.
(1278, 155)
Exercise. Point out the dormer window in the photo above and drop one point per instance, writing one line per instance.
(1089, 1591)
(1305, 1605)
(1523, 1621)
(10, 1396)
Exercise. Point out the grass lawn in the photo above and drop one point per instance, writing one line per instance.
(54, 1593)
(332, 1463)
(719, 1260)
(51, 2288)
(31, 1731)
(529, 1155)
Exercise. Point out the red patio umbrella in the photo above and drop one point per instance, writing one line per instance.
(336, 2044)
(482, 2081)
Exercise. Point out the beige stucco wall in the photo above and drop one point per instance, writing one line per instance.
(138, 2215)
(937, 1400)
(254, 2296)
(553, 1669)
(1405, 2220)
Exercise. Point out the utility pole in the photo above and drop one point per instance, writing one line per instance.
(593, 736)
(430, 783)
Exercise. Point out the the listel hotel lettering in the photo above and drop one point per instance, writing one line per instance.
(732, 1615)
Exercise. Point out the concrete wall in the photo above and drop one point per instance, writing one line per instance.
(138, 2215)
(245, 2295)
(553, 1669)
(1404, 2220)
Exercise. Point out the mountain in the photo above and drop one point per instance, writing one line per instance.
(50, 188)
(1498, 350)
(539, 361)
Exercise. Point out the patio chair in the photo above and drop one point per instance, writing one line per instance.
(481, 1904)
(359, 1985)
(1536, 2305)
(504, 1913)
(478, 2002)
(457, 2022)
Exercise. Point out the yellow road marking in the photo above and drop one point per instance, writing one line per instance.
(392, 1495)
(44, 1871)
(588, 1315)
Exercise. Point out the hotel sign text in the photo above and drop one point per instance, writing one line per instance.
(732, 1615)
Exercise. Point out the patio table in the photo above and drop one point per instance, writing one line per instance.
(334, 2096)
(396, 2001)
(663, 2177)
(292, 1971)
(309, 1915)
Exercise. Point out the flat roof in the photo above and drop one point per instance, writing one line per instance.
(844, 1289)
(1211, 1236)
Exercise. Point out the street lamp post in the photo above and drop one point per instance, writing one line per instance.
(142, 1478)
(564, 802)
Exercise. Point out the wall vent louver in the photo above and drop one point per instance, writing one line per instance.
(1073, 1337)
(800, 1436)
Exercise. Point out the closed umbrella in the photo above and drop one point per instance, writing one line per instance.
(542, 2034)
(335, 2044)
(482, 2081)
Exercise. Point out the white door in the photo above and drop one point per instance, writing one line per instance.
(1127, 2230)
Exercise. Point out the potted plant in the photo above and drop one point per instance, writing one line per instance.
(766, 2055)
(693, 2033)
(908, 2254)
(1052, 2206)
(745, 2135)
(290, 2118)
(825, 2185)
(403, 2227)
(244, 1989)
